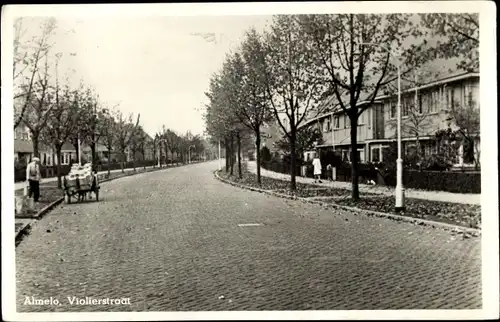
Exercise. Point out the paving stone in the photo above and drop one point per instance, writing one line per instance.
(291, 262)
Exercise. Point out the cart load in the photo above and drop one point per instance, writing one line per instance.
(81, 179)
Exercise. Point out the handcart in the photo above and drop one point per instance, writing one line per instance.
(73, 189)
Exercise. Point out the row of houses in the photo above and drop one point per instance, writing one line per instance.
(425, 109)
(23, 151)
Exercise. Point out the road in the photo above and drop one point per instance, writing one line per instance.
(173, 241)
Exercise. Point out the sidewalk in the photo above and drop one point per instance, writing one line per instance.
(20, 185)
(463, 198)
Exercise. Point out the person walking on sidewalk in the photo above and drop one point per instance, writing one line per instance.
(317, 168)
(33, 175)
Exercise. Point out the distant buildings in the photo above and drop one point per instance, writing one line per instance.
(23, 151)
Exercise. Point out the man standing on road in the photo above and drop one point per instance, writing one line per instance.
(317, 168)
(33, 175)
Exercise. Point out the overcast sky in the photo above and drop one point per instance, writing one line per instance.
(150, 65)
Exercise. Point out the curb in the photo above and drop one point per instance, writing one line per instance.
(421, 222)
(23, 232)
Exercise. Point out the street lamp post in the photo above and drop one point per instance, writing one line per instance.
(399, 162)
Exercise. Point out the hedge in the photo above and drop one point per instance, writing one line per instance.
(450, 181)
(50, 171)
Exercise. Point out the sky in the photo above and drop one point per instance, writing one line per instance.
(154, 65)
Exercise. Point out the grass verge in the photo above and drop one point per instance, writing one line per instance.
(445, 212)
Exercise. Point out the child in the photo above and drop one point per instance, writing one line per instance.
(317, 168)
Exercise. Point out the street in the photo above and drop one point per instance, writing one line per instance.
(180, 240)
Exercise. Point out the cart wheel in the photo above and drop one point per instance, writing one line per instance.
(67, 198)
(97, 195)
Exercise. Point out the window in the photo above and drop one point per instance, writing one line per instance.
(345, 155)
(326, 125)
(433, 101)
(375, 154)
(336, 120)
(393, 108)
(468, 99)
(347, 122)
(361, 155)
(406, 105)
(450, 98)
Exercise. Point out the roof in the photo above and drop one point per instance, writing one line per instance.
(22, 146)
(433, 73)
(68, 147)
(99, 148)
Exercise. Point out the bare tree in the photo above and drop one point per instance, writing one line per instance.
(61, 121)
(291, 89)
(355, 73)
(125, 130)
(109, 137)
(38, 107)
(26, 67)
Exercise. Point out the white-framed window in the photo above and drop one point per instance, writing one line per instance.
(433, 101)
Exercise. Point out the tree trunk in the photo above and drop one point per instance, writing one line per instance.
(240, 174)
(94, 156)
(293, 152)
(354, 159)
(58, 166)
(226, 145)
(419, 152)
(75, 145)
(232, 157)
(257, 144)
(109, 161)
(34, 139)
(166, 155)
(123, 161)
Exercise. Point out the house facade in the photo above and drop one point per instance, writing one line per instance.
(425, 109)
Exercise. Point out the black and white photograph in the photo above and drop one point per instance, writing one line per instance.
(267, 160)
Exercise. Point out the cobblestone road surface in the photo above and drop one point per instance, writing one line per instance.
(171, 241)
